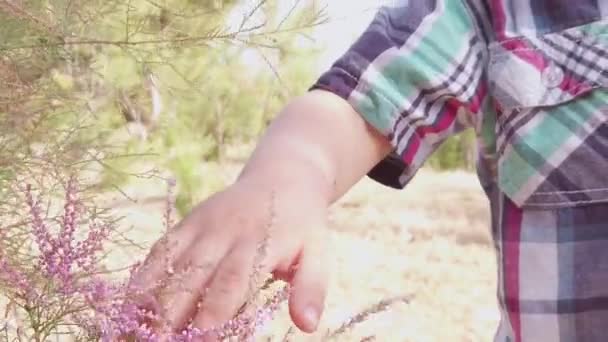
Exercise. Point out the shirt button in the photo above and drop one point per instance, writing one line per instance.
(552, 76)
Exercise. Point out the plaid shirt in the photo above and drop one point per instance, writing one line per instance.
(531, 77)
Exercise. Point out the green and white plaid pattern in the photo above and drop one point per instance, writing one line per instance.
(531, 78)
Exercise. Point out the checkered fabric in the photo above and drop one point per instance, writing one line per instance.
(530, 76)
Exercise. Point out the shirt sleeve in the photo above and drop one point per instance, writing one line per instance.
(416, 74)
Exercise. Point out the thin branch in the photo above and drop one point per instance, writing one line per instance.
(383, 305)
(128, 21)
(250, 31)
(123, 43)
(13, 10)
(182, 13)
(289, 14)
(250, 15)
(274, 70)
(289, 334)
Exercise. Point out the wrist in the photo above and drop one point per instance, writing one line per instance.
(303, 180)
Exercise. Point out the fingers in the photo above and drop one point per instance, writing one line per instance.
(206, 274)
(161, 263)
(182, 294)
(158, 264)
(309, 284)
(229, 288)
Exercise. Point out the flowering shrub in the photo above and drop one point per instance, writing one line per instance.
(65, 290)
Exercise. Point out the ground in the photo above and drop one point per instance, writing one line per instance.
(430, 241)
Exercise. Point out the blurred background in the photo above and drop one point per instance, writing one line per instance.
(127, 93)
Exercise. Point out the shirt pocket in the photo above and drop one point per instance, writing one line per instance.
(551, 94)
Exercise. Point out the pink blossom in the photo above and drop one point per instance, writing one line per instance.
(16, 279)
(64, 273)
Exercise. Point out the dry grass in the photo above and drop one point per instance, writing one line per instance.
(431, 241)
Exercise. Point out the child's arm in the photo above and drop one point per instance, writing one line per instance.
(315, 150)
(318, 140)
(409, 75)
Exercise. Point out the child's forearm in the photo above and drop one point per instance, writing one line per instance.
(319, 144)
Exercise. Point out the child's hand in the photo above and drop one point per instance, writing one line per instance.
(313, 152)
(214, 250)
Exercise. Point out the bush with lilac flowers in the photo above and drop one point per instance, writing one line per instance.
(62, 291)
(65, 290)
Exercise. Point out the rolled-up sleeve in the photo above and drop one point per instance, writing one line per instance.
(417, 75)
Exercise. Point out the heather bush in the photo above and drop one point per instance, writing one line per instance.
(64, 289)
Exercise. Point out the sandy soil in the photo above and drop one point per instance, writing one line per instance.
(430, 241)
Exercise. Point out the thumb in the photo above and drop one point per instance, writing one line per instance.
(309, 285)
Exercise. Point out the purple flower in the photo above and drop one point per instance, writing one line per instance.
(63, 278)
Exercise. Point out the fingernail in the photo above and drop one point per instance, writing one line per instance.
(312, 317)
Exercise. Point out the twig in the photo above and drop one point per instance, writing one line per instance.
(250, 14)
(289, 334)
(12, 9)
(383, 305)
(289, 13)
(258, 264)
(121, 43)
